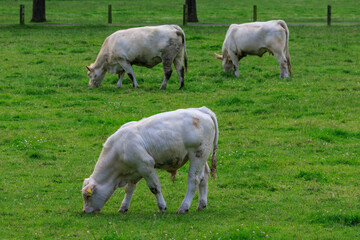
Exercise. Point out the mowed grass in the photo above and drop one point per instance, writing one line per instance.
(288, 154)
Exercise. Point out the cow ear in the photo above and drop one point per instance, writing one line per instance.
(89, 69)
(86, 181)
(88, 190)
(219, 56)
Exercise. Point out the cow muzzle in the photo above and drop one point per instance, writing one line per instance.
(92, 85)
(91, 210)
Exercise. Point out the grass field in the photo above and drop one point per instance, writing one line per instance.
(144, 12)
(288, 155)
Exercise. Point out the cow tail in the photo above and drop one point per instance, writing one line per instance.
(215, 142)
(185, 55)
(283, 25)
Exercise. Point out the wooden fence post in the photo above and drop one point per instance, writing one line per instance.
(22, 14)
(329, 15)
(109, 14)
(255, 13)
(185, 15)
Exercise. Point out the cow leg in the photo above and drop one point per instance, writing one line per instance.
(167, 60)
(203, 187)
(179, 66)
(196, 169)
(121, 76)
(150, 175)
(167, 75)
(235, 62)
(129, 190)
(280, 57)
(128, 69)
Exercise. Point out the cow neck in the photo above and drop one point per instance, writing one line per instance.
(101, 59)
(104, 171)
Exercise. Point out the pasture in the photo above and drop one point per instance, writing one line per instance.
(288, 154)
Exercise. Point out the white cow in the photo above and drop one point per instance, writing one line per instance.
(256, 38)
(143, 46)
(164, 141)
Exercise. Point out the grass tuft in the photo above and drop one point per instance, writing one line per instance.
(342, 218)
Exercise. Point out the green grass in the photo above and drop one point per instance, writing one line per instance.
(288, 153)
(144, 12)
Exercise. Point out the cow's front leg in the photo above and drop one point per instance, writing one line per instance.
(236, 68)
(167, 74)
(152, 180)
(121, 76)
(129, 190)
(235, 61)
(128, 69)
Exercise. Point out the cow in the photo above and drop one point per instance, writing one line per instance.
(143, 46)
(256, 38)
(163, 141)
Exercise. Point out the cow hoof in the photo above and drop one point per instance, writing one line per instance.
(182, 211)
(163, 88)
(162, 210)
(121, 210)
(118, 86)
(201, 206)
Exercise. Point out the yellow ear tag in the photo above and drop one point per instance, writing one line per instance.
(89, 192)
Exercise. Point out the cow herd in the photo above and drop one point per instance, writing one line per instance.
(168, 140)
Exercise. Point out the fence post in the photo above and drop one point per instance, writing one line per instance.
(185, 14)
(22, 14)
(255, 13)
(109, 14)
(329, 15)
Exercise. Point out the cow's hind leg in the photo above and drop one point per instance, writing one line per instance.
(167, 73)
(179, 66)
(167, 59)
(196, 169)
(121, 76)
(127, 67)
(129, 190)
(203, 187)
(280, 57)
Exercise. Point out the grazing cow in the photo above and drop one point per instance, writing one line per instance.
(164, 141)
(143, 46)
(255, 39)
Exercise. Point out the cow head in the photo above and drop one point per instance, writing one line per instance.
(94, 196)
(226, 63)
(96, 76)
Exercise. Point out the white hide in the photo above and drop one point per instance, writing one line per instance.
(143, 46)
(256, 38)
(163, 141)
